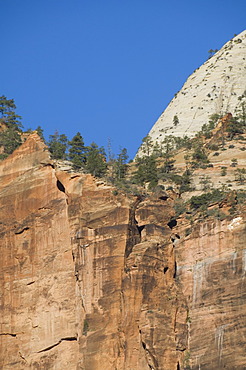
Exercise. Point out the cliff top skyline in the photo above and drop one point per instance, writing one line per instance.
(107, 70)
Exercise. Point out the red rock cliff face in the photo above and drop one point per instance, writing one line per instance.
(92, 280)
(211, 265)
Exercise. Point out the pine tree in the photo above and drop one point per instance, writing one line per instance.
(240, 175)
(96, 160)
(147, 171)
(205, 182)
(77, 151)
(40, 132)
(175, 120)
(184, 181)
(147, 145)
(199, 155)
(10, 137)
(167, 154)
(235, 127)
(120, 166)
(8, 115)
(58, 145)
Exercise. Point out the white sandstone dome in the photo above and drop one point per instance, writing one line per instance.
(215, 87)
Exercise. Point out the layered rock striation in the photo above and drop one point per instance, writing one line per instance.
(91, 279)
(217, 87)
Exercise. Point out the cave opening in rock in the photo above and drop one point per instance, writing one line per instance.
(165, 269)
(164, 197)
(172, 223)
(60, 186)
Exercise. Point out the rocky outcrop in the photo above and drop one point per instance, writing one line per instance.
(218, 86)
(91, 279)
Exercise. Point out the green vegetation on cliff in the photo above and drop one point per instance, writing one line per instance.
(155, 167)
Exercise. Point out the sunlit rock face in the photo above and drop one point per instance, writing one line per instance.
(91, 279)
(211, 269)
(216, 87)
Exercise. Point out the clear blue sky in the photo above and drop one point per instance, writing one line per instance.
(106, 68)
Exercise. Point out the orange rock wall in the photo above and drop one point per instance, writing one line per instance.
(92, 280)
(211, 265)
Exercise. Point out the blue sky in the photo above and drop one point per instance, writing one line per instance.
(106, 68)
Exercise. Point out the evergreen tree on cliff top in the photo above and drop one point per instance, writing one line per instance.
(8, 115)
(146, 165)
(96, 160)
(10, 137)
(77, 151)
(58, 145)
(120, 165)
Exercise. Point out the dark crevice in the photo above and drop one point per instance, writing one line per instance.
(178, 366)
(165, 269)
(177, 236)
(68, 339)
(140, 228)
(31, 282)
(172, 223)
(164, 197)
(134, 231)
(48, 165)
(181, 349)
(20, 231)
(149, 356)
(60, 186)
(175, 270)
(10, 334)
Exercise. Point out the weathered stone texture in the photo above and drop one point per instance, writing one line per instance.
(216, 87)
(211, 271)
(37, 269)
(97, 281)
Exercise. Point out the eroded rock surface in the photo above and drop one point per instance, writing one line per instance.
(217, 87)
(92, 280)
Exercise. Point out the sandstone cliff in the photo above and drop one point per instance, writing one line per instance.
(216, 87)
(92, 280)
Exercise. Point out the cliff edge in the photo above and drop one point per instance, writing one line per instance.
(93, 280)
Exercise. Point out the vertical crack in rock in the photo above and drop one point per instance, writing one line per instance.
(150, 358)
(22, 357)
(134, 231)
(175, 270)
(180, 327)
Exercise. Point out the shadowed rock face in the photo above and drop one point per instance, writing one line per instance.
(90, 280)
